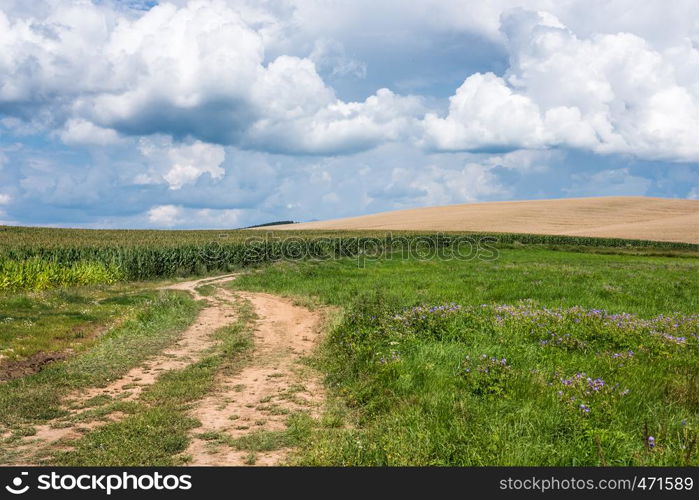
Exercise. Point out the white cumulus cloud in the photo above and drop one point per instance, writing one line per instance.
(193, 71)
(165, 215)
(81, 132)
(609, 93)
(485, 113)
(179, 165)
(231, 112)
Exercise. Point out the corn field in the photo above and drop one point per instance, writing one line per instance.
(37, 274)
(38, 258)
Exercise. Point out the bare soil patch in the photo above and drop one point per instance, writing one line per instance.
(35, 363)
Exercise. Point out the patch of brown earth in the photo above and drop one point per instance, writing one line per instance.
(273, 384)
(35, 363)
(12, 369)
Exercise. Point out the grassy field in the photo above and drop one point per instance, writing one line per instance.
(61, 319)
(539, 358)
(618, 283)
(546, 350)
(42, 258)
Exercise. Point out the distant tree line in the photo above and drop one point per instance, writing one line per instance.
(276, 223)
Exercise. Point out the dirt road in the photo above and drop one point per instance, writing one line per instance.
(272, 383)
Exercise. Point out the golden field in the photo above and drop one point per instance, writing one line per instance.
(632, 217)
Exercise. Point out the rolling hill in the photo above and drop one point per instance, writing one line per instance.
(632, 217)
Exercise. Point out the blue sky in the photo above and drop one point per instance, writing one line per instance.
(236, 112)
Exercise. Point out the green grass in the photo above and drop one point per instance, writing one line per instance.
(618, 283)
(157, 430)
(299, 430)
(416, 389)
(206, 290)
(152, 436)
(407, 390)
(57, 320)
(154, 324)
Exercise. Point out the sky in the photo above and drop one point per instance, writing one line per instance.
(228, 113)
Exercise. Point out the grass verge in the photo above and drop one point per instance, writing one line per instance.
(69, 319)
(641, 285)
(152, 325)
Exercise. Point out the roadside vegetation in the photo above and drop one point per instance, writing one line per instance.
(57, 322)
(152, 324)
(35, 273)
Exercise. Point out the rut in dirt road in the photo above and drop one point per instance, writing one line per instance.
(188, 349)
(273, 384)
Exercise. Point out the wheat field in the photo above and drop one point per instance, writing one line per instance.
(632, 217)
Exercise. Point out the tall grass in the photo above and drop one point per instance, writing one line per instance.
(477, 363)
